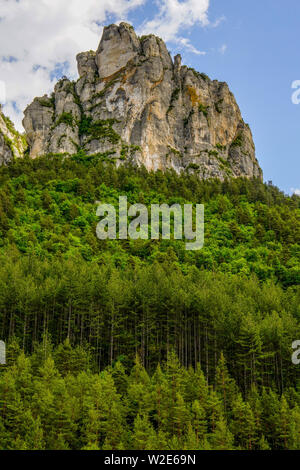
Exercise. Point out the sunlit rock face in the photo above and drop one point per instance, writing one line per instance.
(118, 45)
(12, 144)
(134, 103)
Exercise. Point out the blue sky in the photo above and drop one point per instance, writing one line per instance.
(259, 60)
(253, 46)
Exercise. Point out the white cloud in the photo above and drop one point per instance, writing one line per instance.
(187, 45)
(174, 16)
(39, 37)
(218, 21)
(295, 191)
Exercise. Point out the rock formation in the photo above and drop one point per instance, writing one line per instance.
(12, 144)
(133, 103)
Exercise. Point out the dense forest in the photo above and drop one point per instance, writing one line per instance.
(134, 344)
(53, 400)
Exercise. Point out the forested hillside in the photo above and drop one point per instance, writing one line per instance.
(212, 329)
(52, 400)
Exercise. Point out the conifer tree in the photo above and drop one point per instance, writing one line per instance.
(139, 390)
(283, 423)
(191, 441)
(214, 409)
(199, 421)
(225, 385)
(222, 439)
(180, 417)
(263, 444)
(142, 433)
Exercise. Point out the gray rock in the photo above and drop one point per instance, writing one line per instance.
(134, 103)
(119, 44)
(12, 143)
(86, 63)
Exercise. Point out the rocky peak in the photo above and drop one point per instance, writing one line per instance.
(118, 45)
(133, 103)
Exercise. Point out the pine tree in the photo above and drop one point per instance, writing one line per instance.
(139, 390)
(270, 416)
(114, 429)
(120, 378)
(190, 440)
(214, 409)
(263, 444)
(142, 433)
(243, 424)
(283, 424)
(161, 400)
(157, 441)
(35, 436)
(195, 385)
(180, 417)
(294, 441)
(199, 421)
(222, 439)
(225, 385)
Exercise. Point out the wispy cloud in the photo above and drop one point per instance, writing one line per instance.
(295, 191)
(218, 21)
(174, 17)
(186, 43)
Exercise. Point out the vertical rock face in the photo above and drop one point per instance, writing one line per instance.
(86, 62)
(133, 103)
(117, 47)
(12, 144)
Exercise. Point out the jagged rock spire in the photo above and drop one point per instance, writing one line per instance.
(132, 102)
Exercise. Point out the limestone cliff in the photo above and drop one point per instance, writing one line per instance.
(132, 102)
(12, 144)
